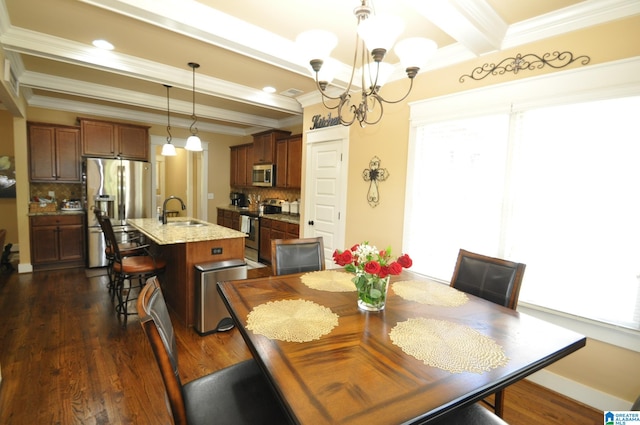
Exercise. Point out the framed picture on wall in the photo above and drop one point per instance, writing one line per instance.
(7, 177)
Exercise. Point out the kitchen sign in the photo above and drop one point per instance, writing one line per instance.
(321, 122)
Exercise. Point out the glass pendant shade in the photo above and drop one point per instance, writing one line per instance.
(384, 73)
(380, 32)
(168, 150)
(415, 51)
(193, 144)
(316, 44)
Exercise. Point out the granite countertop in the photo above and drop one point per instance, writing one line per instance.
(289, 218)
(165, 234)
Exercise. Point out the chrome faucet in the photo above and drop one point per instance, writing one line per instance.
(164, 207)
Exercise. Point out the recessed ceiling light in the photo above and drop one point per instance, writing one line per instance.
(269, 89)
(103, 44)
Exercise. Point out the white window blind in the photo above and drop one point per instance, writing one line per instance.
(557, 188)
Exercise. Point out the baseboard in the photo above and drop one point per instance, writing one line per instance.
(579, 392)
(25, 268)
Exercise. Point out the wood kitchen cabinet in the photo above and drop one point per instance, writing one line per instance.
(230, 219)
(264, 146)
(54, 153)
(275, 229)
(289, 162)
(57, 241)
(104, 139)
(241, 165)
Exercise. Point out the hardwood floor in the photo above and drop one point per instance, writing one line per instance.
(67, 359)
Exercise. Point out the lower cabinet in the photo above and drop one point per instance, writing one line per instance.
(58, 241)
(230, 219)
(275, 229)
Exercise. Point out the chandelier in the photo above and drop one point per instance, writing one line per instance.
(375, 35)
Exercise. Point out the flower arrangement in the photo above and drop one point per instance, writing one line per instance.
(372, 268)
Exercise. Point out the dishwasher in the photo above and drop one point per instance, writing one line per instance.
(211, 314)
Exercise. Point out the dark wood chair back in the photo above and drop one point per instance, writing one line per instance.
(156, 323)
(290, 256)
(493, 279)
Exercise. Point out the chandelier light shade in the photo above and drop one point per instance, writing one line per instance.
(168, 149)
(193, 141)
(376, 36)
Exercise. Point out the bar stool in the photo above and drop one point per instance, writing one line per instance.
(134, 265)
(126, 248)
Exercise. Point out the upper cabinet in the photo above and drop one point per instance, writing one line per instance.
(105, 139)
(264, 145)
(241, 165)
(289, 162)
(54, 153)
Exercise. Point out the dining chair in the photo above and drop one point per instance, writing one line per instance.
(493, 279)
(297, 255)
(474, 414)
(236, 395)
(136, 264)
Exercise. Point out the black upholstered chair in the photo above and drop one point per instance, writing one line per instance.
(236, 395)
(493, 279)
(471, 415)
(290, 256)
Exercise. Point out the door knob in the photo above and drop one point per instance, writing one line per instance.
(310, 222)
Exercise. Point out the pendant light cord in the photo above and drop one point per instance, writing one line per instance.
(169, 138)
(193, 66)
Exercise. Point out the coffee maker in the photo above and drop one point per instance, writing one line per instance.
(238, 199)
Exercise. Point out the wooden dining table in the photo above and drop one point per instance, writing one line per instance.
(356, 374)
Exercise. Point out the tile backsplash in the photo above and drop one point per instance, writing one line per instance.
(62, 190)
(275, 193)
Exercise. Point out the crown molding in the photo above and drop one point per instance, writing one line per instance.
(128, 97)
(127, 114)
(572, 18)
(29, 42)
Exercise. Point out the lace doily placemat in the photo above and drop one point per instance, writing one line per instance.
(431, 293)
(448, 346)
(292, 320)
(329, 280)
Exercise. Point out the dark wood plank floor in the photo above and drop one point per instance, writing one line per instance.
(67, 359)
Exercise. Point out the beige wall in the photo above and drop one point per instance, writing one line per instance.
(604, 367)
(8, 210)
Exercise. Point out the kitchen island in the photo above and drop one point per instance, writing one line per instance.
(184, 242)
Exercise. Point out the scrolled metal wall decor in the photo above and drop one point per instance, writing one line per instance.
(529, 61)
(374, 174)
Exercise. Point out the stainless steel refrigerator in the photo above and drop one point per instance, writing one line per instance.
(122, 190)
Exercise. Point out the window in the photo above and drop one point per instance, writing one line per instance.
(557, 188)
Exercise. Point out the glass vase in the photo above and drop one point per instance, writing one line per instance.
(372, 291)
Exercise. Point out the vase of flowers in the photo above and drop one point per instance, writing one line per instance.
(372, 269)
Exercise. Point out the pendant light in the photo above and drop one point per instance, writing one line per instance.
(168, 149)
(193, 142)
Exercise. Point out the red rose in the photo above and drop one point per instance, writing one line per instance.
(345, 258)
(384, 272)
(405, 261)
(372, 267)
(395, 268)
(355, 247)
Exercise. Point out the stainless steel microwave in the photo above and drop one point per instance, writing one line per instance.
(264, 175)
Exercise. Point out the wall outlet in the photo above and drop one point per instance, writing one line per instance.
(216, 251)
(52, 194)
(209, 195)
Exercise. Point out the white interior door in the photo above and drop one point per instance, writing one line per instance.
(326, 188)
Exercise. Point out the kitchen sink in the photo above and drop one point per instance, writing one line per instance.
(188, 223)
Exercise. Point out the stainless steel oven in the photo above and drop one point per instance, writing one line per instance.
(252, 241)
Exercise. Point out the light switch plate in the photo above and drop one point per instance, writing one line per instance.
(209, 195)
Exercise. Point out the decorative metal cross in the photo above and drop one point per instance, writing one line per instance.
(374, 174)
